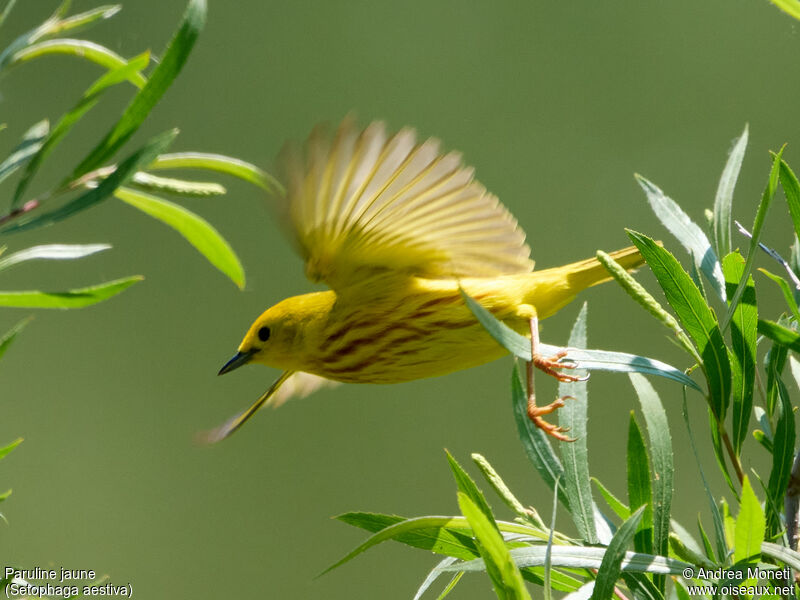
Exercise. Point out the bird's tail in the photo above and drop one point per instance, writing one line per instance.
(589, 272)
(551, 289)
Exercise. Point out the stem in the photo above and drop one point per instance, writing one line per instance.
(17, 212)
(737, 465)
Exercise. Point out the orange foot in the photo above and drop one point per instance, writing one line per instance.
(535, 414)
(550, 364)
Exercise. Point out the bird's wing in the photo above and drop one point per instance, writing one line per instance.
(291, 384)
(365, 201)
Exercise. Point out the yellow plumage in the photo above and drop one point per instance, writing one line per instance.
(395, 227)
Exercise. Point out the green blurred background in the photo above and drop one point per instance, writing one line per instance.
(555, 104)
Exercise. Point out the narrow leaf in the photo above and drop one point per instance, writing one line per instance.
(750, 527)
(575, 456)
(77, 298)
(790, 7)
(467, 486)
(786, 290)
(779, 334)
(636, 291)
(221, 164)
(687, 233)
(51, 252)
(163, 75)
(4, 451)
(177, 186)
(31, 143)
(107, 186)
(743, 349)
(719, 530)
(758, 224)
(9, 336)
(639, 490)
(584, 557)
(662, 460)
(600, 360)
(91, 51)
(89, 99)
(441, 540)
(534, 440)
(612, 564)
(434, 575)
(505, 574)
(724, 197)
(197, 231)
(782, 457)
(619, 508)
(695, 315)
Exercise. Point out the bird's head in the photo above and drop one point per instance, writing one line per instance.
(276, 338)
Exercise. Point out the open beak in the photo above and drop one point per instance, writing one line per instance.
(241, 358)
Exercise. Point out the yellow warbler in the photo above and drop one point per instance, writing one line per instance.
(395, 228)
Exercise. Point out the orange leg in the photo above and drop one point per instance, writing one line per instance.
(549, 366)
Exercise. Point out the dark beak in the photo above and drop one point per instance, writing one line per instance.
(241, 358)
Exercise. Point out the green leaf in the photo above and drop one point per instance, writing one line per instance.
(505, 575)
(177, 186)
(791, 188)
(706, 542)
(51, 252)
(683, 552)
(4, 451)
(790, 7)
(719, 530)
(612, 563)
(743, 349)
(91, 51)
(107, 186)
(6, 11)
(635, 290)
(163, 75)
(77, 298)
(467, 486)
(639, 490)
(574, 456)
(534, 440)
(687, 232)
(662, 460)
(695, 315)
(786, 290)
(779, 334)
(724, 197)
(750, 527)
(641, 586)
(29, 37)
(31, 142)
(782, 553)
(619, 508)
(89, 99)
(584, 557)
(9, 336)
(221, 164)
(197, 231)
(600, 360)
(758, 225)
(782, 457)
(434, 575)
(441, 540)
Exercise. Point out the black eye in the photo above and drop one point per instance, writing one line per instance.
(263, 334)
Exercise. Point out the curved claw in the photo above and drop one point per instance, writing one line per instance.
(550, 364)
(535, 414)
